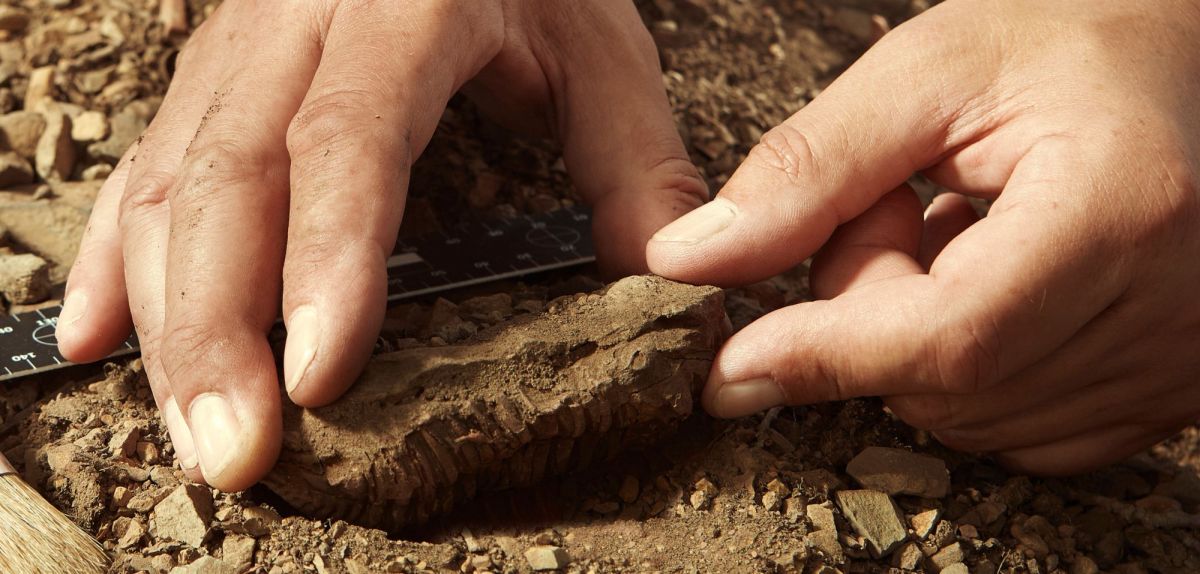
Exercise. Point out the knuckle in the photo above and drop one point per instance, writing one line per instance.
(148, 191)
(786, 150)
(219, 161)
(965, 357)
(191, 345)
(329, 119)
(321, 249)
(926, 412)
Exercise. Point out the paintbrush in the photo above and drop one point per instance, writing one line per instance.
(35, 538)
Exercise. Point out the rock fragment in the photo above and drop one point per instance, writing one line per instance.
(875, 517)
(20, 132)
(24, 278)
(40, 87)
(238, 551)
(705, 492)
(908, 557)
(124, 440)
(184, 514)
(953, 554)
(205, 565)
(543, 558)
(89, 126)
(629, 489)
(897, 471)
(825, 535)
(958, 568)
(13, 19)
(538, 396)
(55, 157)
(924, 522)
(14, 170)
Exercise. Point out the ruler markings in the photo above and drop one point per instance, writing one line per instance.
(472, 253)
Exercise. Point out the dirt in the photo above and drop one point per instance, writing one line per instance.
(774, 492)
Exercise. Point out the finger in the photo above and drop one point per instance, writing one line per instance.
(972, 322)
(1084, 452)
(228, 221)
(143, 220)
(948, 216)
(95, 316)
(352, 144)
(879, 244)
(627, 160)
(861, 138)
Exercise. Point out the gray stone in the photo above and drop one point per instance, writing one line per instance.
(953, 554)
(55, 156)
(875, 517)
(908, 557)
(184, 514)
(896, 471)
(238, 551)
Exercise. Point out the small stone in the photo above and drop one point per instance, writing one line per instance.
(121, 496)
(14, 170)
(820, 480)
(145, 500)
(257, 520)
(1084, 565)
(184, 514)
(124, 128)
(629, 489)
(821, 516)
(924, 522)
(55, 157)
(89, 127)
(908, 557)
(473, 544)
(542, 558)
(771, 500)
(40, 87)
(897, 471)
(24, 278)
(967, 531)
(959, 568)
(826, 541)
(875, 517)
(1031, 541)
(20, 131)
(205, 565)
(133, 535)
(96, 172)
(948, 556)
(148, 453)
(238, 551)
(1158, 504)
(703, 495)
(13, 19)
(794, 507)
(124, 441)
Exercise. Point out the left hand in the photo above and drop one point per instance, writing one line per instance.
(1061, 332)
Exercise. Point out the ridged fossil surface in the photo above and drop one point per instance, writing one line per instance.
(426, 428)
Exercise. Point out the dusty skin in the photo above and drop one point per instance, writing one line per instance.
(540, 396)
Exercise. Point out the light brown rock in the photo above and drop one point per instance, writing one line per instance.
(13, 19)
(544, 558)
(89, 127)
(897, 471)
(205, 565)
(953, 554)
(924, 522)
(55, 157)
(24, 278)
(184, 514)
(875, 517)
(20, 132)
(238, 551)
(40, 88)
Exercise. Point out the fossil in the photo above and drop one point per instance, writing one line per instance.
(426, 428)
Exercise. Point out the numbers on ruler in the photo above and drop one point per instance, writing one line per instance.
(24, 357)
(5, 330)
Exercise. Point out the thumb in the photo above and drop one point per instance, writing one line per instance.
(861, 138)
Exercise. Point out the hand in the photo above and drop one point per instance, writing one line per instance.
(1061, 331)
(277, 169)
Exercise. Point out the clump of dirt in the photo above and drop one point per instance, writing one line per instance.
(777, 492)
(540, 396)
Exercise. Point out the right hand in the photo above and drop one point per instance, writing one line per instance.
(277, 168)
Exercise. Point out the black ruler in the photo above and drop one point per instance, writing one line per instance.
(477, 251)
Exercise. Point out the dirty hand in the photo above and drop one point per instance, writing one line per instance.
(1061, 331)
(277, 170)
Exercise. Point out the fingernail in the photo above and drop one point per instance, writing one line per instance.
(73, 308)
(303, 330)
(700, 224)
(217, 433)
(181, 435)
(746, 397)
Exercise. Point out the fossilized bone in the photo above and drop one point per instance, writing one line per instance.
(542, 395)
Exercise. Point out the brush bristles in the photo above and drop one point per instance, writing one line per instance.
(35, 538)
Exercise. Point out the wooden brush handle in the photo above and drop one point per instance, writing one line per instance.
(5, 466)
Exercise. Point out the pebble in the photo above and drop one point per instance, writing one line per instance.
(703, 495)
(897, 471)
(948, 556)
(629, 489)
(14, 170)
(89, 127)
(133, 535)
(124, 128)
(96, 172)
(821, 480)
(238, 551)
(959, 568)
(908, 557)
(41, 84)
(21, 132)
(822, 517)
(924, 522)
(124, 441)
(55, 157)
(184, 514)
(875, 517)
(24, 278)
(542, 558)
(257, 520)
